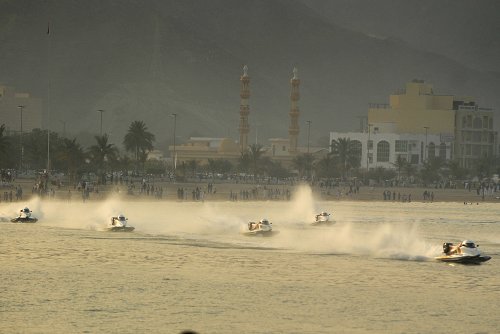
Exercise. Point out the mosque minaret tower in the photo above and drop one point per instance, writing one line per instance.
(244, 109)
(293, 130)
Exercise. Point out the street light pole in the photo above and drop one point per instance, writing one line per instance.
(175, 154)
(21, 138)
(100, 111)
(308, 134)
(425, 150)
(64, 127)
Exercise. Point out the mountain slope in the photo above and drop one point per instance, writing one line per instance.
(144, 60)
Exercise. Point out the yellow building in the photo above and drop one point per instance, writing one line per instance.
(203, 148)
(415, 110)
(458, 121)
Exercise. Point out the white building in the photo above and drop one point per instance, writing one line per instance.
(377, 149)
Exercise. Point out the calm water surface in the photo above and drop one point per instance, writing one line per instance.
(188, 267)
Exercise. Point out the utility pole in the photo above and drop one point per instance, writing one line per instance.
(21, 138)
(100, 111)
(175, 154)
(308, 134)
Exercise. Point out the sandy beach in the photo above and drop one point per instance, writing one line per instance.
(208, 190)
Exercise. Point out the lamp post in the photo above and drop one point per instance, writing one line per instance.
(64, 127)
(21, 107)
(425, 150)
(308, 134)
(175, 154)
(100, 111)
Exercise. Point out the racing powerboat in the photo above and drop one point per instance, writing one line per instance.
(262, 227)
(24, 217)
(322, 218)
(465, 252)
(119, 224)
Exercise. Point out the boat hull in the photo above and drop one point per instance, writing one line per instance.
(260, 233)
(322, 223)
(464, 259)
(121, 229)
(24, 220)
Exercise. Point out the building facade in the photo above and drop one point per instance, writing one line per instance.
(461, 126)
(379, 149)
(475, 136)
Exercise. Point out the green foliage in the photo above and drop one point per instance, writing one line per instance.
(303, 163)
(138, 141)
(344, 152)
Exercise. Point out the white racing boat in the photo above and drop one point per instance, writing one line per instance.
(322, 218)
(24, 217)
(119, 224)
(465, 252)
(262, 227)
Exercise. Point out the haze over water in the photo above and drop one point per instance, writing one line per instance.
(187, 266)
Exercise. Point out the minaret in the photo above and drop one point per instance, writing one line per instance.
(244, 109)
(293, 130)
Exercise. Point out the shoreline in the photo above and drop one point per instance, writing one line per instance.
(208, 191)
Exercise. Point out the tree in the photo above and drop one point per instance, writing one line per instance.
(70, 157)
(325, 167)
(193, 166)
(4, 143)
(255, 153)
(345, 154)
(486, 166)
(138, 141)
(430, 171)
(101, 154)
(400, 164)
(303, 163)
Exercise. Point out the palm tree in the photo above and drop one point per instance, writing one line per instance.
(400, 163)
(255, 153)
(138, 140)
(343, 150)
(4, 141)
(303, 163)
(325, 166)
(102, 154)
(71, 157)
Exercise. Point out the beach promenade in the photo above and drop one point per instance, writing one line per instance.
(208, 190)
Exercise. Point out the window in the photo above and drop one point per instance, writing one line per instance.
(469, 121)
(383, 151)
(476, 136)
(356, 148)
(370, 144)
(401, 146)
(485, 122)
(478, 124)
(442, 151)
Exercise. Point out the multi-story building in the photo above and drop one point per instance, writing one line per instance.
(382, 149)
(463, 130)
(475, 136)
(17, 108)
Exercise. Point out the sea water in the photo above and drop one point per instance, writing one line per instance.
(188, 266)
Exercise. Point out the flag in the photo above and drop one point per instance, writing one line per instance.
(48, 28)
